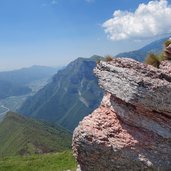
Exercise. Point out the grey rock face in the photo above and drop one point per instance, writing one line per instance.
(131, 129)
(135, 83)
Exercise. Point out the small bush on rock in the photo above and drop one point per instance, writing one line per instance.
(108, 58)
(155, 60)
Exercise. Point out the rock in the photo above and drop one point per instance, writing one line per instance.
(131, 129)
(165, 66)
(135, 83)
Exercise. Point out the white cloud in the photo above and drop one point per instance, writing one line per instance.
(148, 20)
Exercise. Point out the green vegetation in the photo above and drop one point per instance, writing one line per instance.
(47, 162)
(155, 60)
(108, 58)
(167, 43)
(20, 135)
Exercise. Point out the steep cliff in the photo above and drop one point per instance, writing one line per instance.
(131, 129)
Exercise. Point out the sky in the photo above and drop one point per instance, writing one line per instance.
(55, 32)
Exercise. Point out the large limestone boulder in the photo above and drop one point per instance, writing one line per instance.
(131, 129)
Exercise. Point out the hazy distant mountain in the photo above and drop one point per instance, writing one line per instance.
(20, 135)
(9, 89)
(25, 80)
(73, 94)
(26, 75)
(140, 55)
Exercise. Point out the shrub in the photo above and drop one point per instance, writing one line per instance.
(153, 60)
(167, 42)
(98, 61)
(108, 58)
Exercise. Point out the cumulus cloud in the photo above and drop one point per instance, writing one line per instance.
(148, 20)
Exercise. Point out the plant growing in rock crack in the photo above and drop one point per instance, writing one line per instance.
(108, 58)
(155, 59)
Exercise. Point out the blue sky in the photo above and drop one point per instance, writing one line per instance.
(55, 32)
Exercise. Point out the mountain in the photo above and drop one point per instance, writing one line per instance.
(24, 81)
(9, 89)
(72, 94)
(140, 55)
(27, 75)
(20, 135)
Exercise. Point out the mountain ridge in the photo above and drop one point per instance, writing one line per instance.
(140, 54)
(28, 74)
(72, 90)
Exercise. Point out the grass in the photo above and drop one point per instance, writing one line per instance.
(62, 161)
(20, 135)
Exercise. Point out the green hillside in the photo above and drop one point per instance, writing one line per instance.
(23, 136)
(46, 162)
(73, 94)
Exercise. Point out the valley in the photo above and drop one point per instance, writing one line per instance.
(15, 102)
(3, 111)
(12, 82)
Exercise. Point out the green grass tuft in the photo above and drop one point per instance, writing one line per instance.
(108, 58)
(46, 162)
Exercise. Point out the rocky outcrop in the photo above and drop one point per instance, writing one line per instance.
(131, 129)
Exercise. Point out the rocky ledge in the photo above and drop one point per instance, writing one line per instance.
(131, 129)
